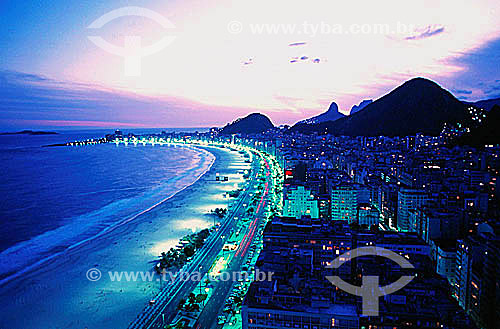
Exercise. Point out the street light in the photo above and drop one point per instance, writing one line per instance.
(222, 237)
(199, 270)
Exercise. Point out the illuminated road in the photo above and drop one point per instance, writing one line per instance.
(168, 299)
(215, 305)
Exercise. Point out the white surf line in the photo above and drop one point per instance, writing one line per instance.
(105, 230)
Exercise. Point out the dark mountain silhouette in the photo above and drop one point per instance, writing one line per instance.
(331, 115)
(486, 104)
(252, 124)
(362, 105)
(417, 106)
(485, 134)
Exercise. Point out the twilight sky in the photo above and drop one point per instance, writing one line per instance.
(288, 59)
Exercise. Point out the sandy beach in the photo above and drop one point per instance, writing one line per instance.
(58, 294)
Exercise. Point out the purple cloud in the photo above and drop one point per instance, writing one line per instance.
(427, 32)
(462, 92)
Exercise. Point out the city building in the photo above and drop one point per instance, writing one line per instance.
(408, 199)
(299, 252)
(346, 197)
(298, 202)
(368, 215)
(477, 278)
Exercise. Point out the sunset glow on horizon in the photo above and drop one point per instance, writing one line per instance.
(287, 59)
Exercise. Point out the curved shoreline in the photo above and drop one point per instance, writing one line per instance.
(112, 227)
(59, 295)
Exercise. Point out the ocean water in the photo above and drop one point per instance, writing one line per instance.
(55, 198)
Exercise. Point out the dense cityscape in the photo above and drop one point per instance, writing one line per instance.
(428, 199)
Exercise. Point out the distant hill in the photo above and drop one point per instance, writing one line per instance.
(362, 105)
(331, 114)
(252, 124)
(485, 134)
(417, 106)
(486, 104)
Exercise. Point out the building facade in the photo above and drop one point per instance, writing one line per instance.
(345, 200)
(408, 199)
(300, 202)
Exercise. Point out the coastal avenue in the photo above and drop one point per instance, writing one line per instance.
(167, 300)
(208, 317)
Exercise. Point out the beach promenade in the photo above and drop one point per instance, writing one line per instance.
(134, 247)
(165, 306)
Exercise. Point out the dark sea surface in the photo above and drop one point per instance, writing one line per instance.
(53, 198)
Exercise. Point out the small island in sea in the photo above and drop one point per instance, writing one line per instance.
(30, 132)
